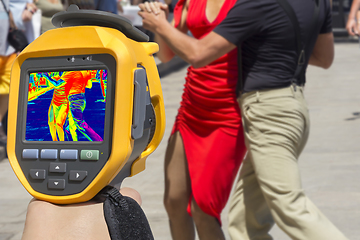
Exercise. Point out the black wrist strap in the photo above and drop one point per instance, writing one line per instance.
(124, 217)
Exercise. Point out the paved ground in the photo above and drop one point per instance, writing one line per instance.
(330, 165)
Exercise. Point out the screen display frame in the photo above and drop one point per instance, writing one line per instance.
(66, 63)
(80, 110)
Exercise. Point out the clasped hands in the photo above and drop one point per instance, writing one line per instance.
(153, 14)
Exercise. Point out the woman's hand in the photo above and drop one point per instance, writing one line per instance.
(153, 14)
(154, 7)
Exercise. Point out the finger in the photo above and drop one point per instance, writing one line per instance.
(357, 30)
(142, 14)
(32, 6)
(154, 8)
(142, 6)
(147, 7)
(163, 6)
(129, 192)
(350, 28)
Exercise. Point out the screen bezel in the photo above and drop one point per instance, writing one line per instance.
(37, 111)
(66, 63)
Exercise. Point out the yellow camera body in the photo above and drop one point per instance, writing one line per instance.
(85, 107)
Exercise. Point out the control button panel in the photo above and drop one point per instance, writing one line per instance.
(60, 171)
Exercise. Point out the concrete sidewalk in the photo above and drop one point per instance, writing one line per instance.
(330, 165)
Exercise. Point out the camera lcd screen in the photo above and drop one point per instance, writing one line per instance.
(66, 105)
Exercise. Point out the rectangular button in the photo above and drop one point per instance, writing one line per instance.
(89, 155)
(77, 175)
(38, 174)
(50, 154)
(57, 167)
(56, 184)
(30, 154)
(69, 154)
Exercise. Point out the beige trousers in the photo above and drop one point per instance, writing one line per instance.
(276, 128)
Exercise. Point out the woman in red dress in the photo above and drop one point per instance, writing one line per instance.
(206, 146)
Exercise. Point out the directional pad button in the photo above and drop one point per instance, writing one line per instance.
(38, 174)
(56, 184)
(77, 175)
(57, 167)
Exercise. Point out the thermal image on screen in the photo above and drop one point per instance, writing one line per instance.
(66, 106)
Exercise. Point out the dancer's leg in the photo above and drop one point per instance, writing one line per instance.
(178, 190)
(51, 122)
(61, 113)
(208, 228)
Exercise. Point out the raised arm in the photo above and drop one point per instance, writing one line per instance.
(56, 83)
(323, 53)
(165, 53)
(196, 52)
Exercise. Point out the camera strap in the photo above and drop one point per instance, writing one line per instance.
(124, 217)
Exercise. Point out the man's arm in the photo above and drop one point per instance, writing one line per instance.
(323, 53)
(352, 26)
(196, 52)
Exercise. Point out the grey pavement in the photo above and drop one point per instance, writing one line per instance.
(329, 165)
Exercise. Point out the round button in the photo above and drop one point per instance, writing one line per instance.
(89, 154)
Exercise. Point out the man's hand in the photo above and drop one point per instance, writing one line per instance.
(353, 27)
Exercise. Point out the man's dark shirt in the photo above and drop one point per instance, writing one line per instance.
(267, 39)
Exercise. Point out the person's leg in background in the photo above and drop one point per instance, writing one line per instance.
(276, 129)
(5, 69)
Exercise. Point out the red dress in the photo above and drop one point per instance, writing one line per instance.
(209, 119)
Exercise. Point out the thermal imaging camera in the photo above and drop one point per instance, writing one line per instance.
(85, 106)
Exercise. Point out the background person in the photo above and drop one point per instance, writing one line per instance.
(48, 9)
(275, 114)
(206, 146)
(20, 11)
(7, 57)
